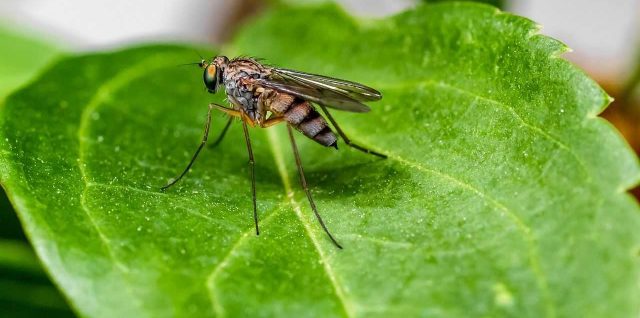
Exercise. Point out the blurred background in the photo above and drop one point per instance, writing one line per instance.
(604, 36)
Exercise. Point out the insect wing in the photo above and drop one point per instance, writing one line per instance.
(330, 92)
(318, 96)
(351, 89)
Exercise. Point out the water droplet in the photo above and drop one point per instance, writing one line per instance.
(139, 228)
(100, 138)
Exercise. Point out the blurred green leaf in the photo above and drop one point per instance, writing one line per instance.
(495, 3)
(22, 57)
(503, 195)
(630, 93)
(9, 224)
(25, 290)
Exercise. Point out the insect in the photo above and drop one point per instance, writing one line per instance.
(263, 96)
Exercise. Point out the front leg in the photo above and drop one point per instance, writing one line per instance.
(231, 112)
(205, 136)
(239, 111)
(226, 110)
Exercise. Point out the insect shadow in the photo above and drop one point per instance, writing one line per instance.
(379, 179)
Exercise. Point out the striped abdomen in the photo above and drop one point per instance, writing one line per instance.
(304, 117)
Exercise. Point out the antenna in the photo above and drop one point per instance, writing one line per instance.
(199, 55)
(185, 64)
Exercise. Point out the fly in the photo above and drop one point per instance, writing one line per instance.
(263, 96)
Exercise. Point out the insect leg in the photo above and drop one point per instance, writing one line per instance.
(223, 133)
(272, 121)
(303, 181)
(207, 125)
(246, 119)
(346, 139)
(253, 174)
(232, 112)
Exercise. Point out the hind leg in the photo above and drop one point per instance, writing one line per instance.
(346, 139)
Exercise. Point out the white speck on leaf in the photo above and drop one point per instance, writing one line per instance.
(502, 295)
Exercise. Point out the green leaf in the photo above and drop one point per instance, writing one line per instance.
(25, 290)
(495, 3)
(22, 56)
(503, 195)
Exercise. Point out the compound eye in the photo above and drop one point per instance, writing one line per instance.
(210, 78)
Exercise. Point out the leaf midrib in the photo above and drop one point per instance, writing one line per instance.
(276, 150)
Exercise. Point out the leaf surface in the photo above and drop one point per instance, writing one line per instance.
(503, 195)
(25, 290)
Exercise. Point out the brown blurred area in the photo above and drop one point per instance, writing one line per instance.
(624, 112)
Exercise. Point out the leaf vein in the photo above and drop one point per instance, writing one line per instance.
(378, 241)
(534, 259)
(147, 192)
(102, 94)
(211, 278)
(510, 109)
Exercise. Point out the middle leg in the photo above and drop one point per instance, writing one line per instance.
(253, 174)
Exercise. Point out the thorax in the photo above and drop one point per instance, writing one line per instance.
(238, 75)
